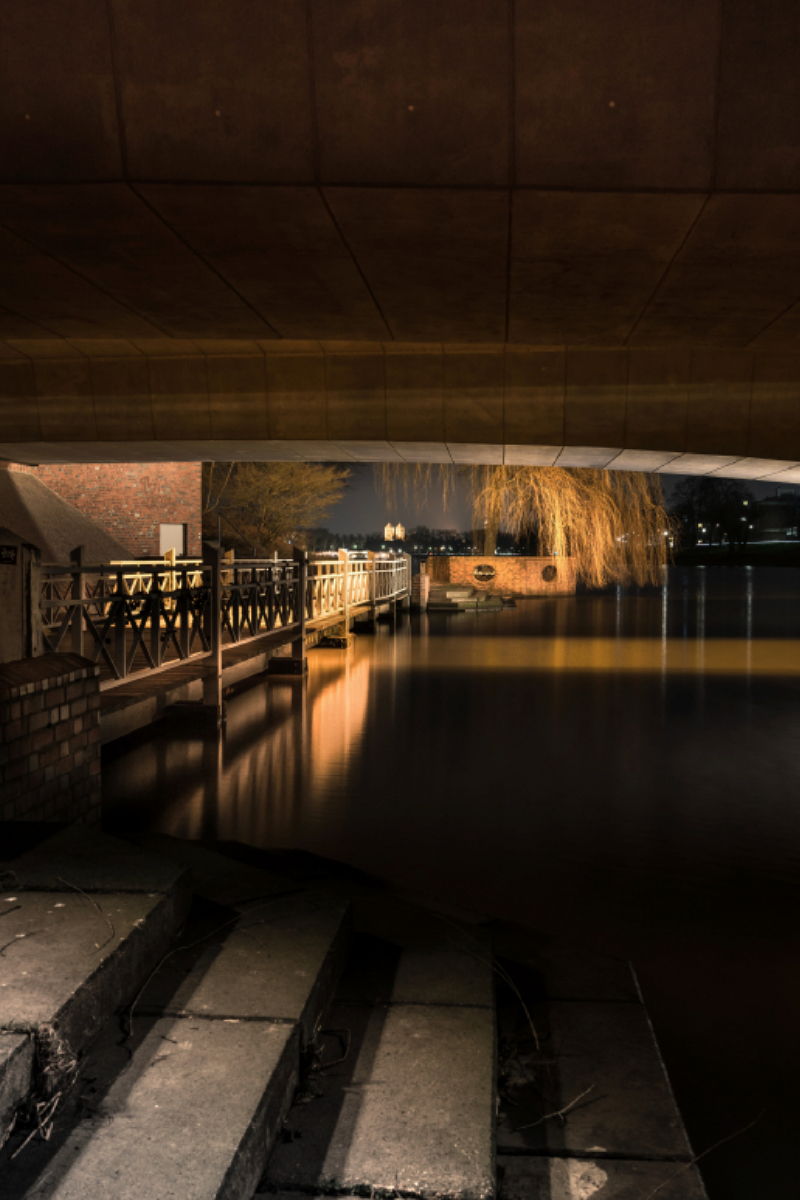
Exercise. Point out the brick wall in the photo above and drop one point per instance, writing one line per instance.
(131, 500)
(523, 576)
(50, 739)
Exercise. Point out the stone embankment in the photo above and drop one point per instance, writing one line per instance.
(177, 1022)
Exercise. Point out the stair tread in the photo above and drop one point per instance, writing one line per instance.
(412, 1111)
(190, 1120)
(77, 857)
(215, 876)
(63, 954)
(280, 961)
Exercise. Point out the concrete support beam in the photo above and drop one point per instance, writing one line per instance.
(701, 411)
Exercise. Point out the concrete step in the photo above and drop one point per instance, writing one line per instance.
(191, 1118)
(85, 918)
(218, 1034)
(409, 1110)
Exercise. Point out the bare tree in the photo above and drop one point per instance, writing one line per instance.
(271, 502)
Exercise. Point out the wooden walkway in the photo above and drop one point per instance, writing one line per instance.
(135, 702)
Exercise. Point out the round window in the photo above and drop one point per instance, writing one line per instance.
(549, 573)
(484, 573)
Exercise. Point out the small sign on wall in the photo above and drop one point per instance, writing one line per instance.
(8, 556)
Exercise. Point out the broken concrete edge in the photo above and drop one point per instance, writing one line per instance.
(328, 976)
(16, 1077)
(248, 1166)
(57, 1043)
(660, 1057)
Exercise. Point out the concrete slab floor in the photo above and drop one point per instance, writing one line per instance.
(94, 862)
(603, 1179)
(71, 960)
(608, 1048)
(411, 1111)
(217, 1087)
(281, 961)
(568, 972)
(214, 876)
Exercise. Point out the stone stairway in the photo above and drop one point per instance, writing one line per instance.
(450, 597)
(275, 1052)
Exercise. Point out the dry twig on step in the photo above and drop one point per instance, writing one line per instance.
(561, 1112)
(94, 904)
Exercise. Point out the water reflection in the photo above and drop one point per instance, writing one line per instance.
(620, 768)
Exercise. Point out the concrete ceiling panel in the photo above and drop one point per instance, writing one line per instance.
(12, 325)
(597, 457)
(530, 456)
(756, 468)
(584, 265)
(473, 379)
(362, 451)
(19, 412)
(318, 451)
(790, 476)
(296, 396)
(281, 251)
(412, 92)
(237, 395)
(759, 95)
(415, 397)
(108, 235)
(58, 116)
(720, 392)
(423, 452)
(121, 390)
(775, 409)
(697, 464)
(64, 398)
(535, 386)
(215, 91)
(736, 273)
(39, 288)
(474, 454)
(641, 460)
(658, 391)
(179, 397)
(596, 390)
(615, 95)
(356, 390)
(434, 259)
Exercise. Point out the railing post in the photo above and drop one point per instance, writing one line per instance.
(76, 628)
(344, 559)
(212, 681)
(408, 561)
(120, 623)
(184, 635)
(299, 646)
(155, 617)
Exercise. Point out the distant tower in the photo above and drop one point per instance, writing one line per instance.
(388, 533)
(400, 532)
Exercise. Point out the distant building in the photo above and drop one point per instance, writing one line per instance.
(148, 507)
(777, 518)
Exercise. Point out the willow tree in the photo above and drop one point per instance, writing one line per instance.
(612, 524)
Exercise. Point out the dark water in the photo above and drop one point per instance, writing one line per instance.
(622, 769)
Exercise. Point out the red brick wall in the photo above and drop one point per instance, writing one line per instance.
(131, 500)
(50, 739)
(521, 575)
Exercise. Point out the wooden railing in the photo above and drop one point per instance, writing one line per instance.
(141, 615)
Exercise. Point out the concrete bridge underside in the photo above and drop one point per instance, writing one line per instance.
(495, 230)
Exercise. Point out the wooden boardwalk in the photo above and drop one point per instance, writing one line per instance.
(134, 702)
